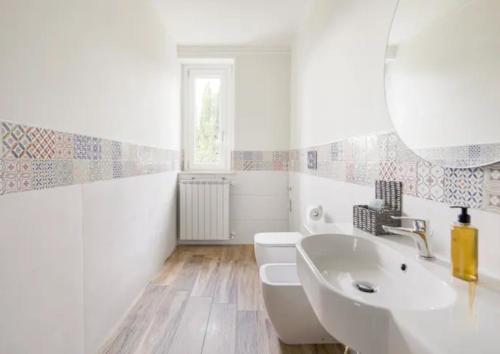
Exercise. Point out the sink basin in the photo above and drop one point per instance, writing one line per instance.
(355, 284)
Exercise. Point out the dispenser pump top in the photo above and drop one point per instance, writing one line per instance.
(463, 217)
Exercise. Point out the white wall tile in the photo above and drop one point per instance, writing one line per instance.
(259, 207)
(260, 183)
(129, 231)
(41, 272)
(245, 229)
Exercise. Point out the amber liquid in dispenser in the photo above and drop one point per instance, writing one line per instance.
(464, 255)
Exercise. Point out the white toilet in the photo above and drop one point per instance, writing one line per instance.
(288, 308)
(279, 247)
(275, 247)
(286, 303)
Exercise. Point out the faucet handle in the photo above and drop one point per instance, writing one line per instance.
(418, 224)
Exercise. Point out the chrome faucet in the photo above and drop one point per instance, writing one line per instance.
(419, 233)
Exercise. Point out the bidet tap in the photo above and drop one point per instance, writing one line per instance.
(419, 233)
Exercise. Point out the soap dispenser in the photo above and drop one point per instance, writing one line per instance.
(464, 247)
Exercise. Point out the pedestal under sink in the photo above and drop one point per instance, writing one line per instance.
(355, 284)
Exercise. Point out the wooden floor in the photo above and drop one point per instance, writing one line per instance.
(206, 300)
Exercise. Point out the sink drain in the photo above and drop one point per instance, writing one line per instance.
(365, 287)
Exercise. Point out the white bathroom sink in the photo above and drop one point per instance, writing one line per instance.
(331, 267)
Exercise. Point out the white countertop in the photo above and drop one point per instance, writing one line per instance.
(470, 326)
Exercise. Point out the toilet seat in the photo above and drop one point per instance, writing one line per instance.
(276, 247)
(277, 239)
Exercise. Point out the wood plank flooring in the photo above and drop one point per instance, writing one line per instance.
(206, 300)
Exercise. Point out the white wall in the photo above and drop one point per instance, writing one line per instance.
(259, 199)
(262, 97)
(338, 92)
(41, 271)
(337, 72)
(102, 68)
(129, 228)
(74, 258)
(259, 203)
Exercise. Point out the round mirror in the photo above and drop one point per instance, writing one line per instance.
(442, 79)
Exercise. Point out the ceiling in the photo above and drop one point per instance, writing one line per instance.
(233, 22)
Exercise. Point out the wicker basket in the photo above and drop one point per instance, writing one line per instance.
(371, 220)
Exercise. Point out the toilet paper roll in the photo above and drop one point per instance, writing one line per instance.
(315, 213)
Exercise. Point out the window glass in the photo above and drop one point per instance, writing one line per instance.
(207, 114)
(207, 124)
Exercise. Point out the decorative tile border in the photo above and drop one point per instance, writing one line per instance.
(260, 160)
(464, 155)
(35, 158)
(362, 160)
(491, 192)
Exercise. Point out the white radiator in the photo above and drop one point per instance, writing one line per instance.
(204, 209)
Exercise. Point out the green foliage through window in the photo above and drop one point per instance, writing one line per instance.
(208, 132)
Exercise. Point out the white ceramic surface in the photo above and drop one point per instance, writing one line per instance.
(275, 247)
(420, 310)
(279, 247)
(287, 306)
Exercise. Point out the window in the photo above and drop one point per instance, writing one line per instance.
(207, 113)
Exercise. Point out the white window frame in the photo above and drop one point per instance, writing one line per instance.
(223, 70)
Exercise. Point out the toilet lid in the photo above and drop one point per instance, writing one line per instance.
(277, 239)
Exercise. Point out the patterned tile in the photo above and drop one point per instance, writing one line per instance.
(336, 151)
(116, 150)
(95, 171)
(393, 146)
(280, 156)
(44, 174)
(257, 160)
(430, 181)
(358, 145)
(64, 172)
(2, 184)
(350, 170)
(312, 160)
(347, 150)
(387, 170)
(372, 149)
(463, 156)
(128, 168)
(248, 165)
(325, 169)
(464, 187)
(63, 146)
(491, 190)
(238, 165)
(81, 171)
(17, 175)
(87, 148)
(117, 169)
(43, 143)
(406, 172)
(360, 174)
(106, 149)
(15, 141)
(372, 172)
(279, 165)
